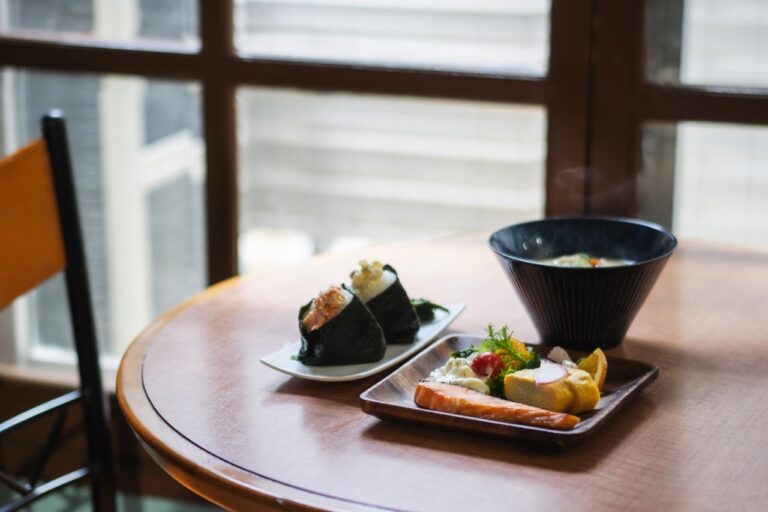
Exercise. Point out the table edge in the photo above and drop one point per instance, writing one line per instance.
(206, 474)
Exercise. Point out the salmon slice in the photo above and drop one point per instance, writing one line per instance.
(443, 397)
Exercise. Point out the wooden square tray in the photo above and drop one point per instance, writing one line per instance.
(392, 397)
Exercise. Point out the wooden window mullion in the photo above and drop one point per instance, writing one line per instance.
(568, 107)
(614, 136)
(220, 134)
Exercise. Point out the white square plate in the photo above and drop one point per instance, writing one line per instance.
(283, 360)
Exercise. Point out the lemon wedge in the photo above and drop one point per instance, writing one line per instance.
(596, 365)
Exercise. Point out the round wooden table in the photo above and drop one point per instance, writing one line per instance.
(247, 437)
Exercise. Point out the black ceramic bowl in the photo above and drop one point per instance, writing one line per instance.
(583, 308)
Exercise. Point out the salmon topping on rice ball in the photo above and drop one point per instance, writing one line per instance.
(325, 306)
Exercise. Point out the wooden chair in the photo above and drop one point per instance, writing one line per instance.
(39, 237)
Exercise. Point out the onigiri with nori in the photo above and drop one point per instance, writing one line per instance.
(337, 328)
(379, 287)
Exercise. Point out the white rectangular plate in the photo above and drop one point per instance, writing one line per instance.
(283, 360)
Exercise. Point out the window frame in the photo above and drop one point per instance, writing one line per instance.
(595, 92)
(625, 100)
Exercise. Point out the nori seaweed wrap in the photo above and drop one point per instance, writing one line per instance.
(352, 336)
(388, 301)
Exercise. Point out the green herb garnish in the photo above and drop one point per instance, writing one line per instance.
(466, 352)
(496, 384)
(512, 351)
(425, 309)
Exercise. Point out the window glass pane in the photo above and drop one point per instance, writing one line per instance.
(139, 182)
(707, 180)
(163, 21)
(325, 171)
(493, 35)
(708, 42)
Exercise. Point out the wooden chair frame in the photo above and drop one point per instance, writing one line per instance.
(90, 395)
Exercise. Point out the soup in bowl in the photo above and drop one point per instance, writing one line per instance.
(583, 279)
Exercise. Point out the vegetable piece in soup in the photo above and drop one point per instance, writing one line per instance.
(584, 260)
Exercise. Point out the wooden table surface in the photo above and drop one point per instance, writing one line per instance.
(250, 438)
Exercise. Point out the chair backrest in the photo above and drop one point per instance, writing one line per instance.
(31, 247)
(40, 235)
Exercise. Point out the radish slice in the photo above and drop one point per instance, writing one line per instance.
(550, 372)
(559, 355)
